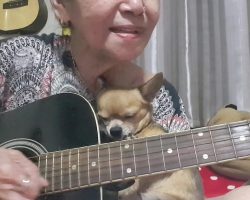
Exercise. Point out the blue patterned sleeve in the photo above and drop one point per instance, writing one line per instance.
(168, 109)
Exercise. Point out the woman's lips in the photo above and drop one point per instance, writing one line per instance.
(126, 31)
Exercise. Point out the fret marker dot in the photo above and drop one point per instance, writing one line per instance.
(242, 138)
(200, 134)
(126, 146)
(214, 178)
(170, 150)
(93, 164)
(205, 156)
(73, 167)
(129, 170)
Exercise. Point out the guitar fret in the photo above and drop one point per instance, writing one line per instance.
(134, 159)
(65, 170)
(212, 141)
(155, 154)
(104, 163)
(162, 152)
(46, 164)
(121, 161)
(204, 148)
(84, 166)
(222, 143)
(110, 166)
(149, 167)
(195, 151)
(186, 149)
(241, 140)
(231, 136)
(170, 152)
(115, 161)
(128, 159)
(93, 165)
(56, 172)
(177, 149)
(98, 163)
(141, 157)
(42, 167)
(74, 168)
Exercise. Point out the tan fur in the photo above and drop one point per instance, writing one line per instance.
(237, 169)
(113, 105)
(227, 115)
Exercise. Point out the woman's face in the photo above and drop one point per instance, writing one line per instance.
(117, 28)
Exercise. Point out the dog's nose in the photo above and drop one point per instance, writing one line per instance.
(116, 132)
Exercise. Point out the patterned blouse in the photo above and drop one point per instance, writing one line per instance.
(35, 67)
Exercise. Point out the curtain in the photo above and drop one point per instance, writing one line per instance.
(202, 47)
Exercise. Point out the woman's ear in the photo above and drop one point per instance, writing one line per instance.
(60, 11)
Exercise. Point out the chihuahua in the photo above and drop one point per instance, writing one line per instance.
(127, 113)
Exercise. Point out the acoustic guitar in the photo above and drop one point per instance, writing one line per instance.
(60, 134)
(22, 16)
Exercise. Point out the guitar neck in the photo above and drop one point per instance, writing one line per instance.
(117, 161)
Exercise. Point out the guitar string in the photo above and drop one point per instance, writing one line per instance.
(156, 152)
(157, 138)
(98, 172)
(171, 144)
(95, 176)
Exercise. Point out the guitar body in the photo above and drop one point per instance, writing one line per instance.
(59, 122)
(22, 16)
(52, 130)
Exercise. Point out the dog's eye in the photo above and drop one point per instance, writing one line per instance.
(101, 117)
(128, 116)
(103, 120)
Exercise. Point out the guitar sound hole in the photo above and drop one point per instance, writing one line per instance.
(29, 154)
(15, 4)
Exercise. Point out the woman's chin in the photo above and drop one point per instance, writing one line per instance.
(125, 49)
(125, 54)
(126, 57)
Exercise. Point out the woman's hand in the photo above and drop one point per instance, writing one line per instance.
(19, 177)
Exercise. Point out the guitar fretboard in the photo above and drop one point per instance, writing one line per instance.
(106, 163)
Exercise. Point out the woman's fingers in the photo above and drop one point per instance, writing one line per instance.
(12, 195)
(19, 176)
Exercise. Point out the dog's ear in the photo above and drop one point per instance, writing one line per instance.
(151, 87)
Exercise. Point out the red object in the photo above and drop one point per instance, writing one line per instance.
(216, 185)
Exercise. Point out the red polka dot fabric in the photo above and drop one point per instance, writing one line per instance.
(216, 185)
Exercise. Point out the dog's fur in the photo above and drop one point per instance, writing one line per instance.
(128, 114)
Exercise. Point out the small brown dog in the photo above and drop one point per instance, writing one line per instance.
(128, 114)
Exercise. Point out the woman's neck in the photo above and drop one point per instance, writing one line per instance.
(91, 66)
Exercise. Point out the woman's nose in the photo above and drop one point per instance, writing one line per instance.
(135, 7)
